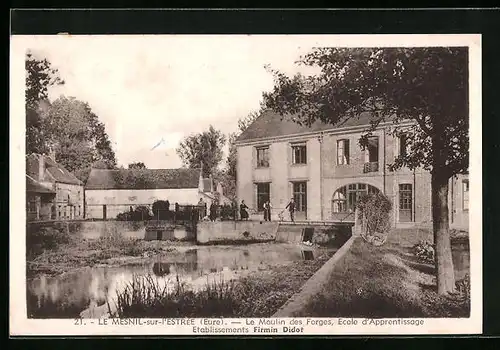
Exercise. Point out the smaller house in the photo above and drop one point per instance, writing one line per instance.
(39, 200)
(109, 192)
(52, 192)
(211, 192)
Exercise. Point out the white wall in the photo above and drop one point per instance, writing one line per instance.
(118, 201)
(72, 209)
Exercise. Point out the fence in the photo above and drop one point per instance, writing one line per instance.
(161, 211)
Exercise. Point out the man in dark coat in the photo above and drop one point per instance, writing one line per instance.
(291, 208)
(213, 211)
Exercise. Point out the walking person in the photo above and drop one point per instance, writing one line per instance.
(265, 207)
(291, 208)
(243, 211)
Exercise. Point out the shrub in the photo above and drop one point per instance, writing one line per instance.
(463, 287)
(161, 210)
(187, 213)
(424, 251)
(227, 212)
(374, 210)
(45, 238)
(140, 213)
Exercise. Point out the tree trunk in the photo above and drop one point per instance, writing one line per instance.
(442, 244)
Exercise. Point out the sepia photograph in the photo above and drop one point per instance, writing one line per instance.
(325, 179)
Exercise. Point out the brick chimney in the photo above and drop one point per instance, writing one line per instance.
(41, 167)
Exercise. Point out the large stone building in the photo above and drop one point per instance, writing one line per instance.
(111, 192)
(52, 192)
(325, 170)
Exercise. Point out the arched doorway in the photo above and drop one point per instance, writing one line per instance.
(345, 198)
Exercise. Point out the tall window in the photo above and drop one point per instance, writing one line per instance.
(465, 194)
(339, 202)
(403, 144)
(263, 191)
(32, 205)
(371, 155)
(345, 198)
(299, 154)
(342, 152)
(263, 157)
(300, 195)
(405, 202)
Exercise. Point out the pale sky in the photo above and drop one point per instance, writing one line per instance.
(149, 88)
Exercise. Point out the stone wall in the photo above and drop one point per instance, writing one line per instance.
(235, 231)
(95, 229)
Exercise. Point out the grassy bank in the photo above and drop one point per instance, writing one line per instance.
(53, 251)
(386, 281)
(259, 294)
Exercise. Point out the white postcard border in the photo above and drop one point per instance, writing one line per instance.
(20, 325)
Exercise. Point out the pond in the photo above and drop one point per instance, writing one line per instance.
(89, 290)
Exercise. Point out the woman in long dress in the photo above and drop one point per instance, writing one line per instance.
(243, 211)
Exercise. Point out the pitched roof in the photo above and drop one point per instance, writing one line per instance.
(34, 186)
(55, 170)
(271, 124)
(105, 179)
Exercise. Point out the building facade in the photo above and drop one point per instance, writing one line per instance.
(52, 192)
(111, 192)
(325, 170)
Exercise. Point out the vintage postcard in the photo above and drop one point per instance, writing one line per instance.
(245, 185)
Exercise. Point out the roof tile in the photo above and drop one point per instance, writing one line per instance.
(56, 170)
(271, 124)
(104, 179)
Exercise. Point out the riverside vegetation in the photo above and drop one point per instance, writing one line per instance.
(259, 294)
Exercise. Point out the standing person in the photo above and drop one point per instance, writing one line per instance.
(291, 208)
(265, 207)
(243, 211)
(213, 211)
(202, 208)
(269, 207)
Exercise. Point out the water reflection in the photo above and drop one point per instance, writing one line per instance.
(67, 295)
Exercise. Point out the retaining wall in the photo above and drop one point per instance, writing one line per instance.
(171, 233)
(230, 231)
(315, 284)
(95, 229)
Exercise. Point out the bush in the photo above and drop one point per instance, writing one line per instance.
(227, 212)
(45, 238)
(140, 213)
(161, 210)
(188, 213)
(463, 287)
(374, 210)
(424, 251)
